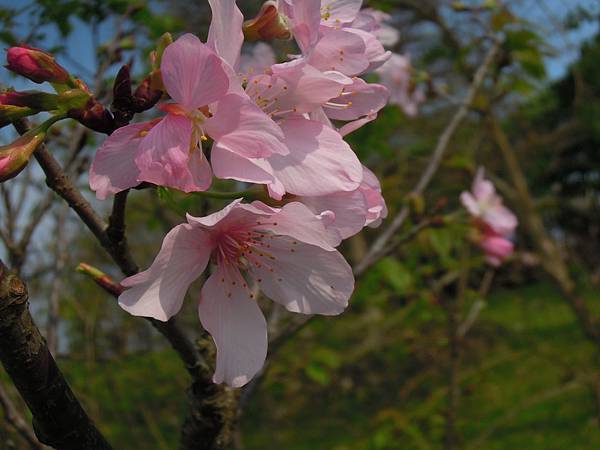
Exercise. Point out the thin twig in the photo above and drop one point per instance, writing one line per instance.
(380, 244)
(526, 404)
(403, 239)
(59, 182)
(478, 305)
(16, 420)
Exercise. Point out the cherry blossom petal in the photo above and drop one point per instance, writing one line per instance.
(231, 166)
(349, 212)
(360, 99)
(114, 169)
(371, 189)
(305, 278)
(351, 127)
(374, 51)
(470, 203)
(297, 221)
(159, 291)
(335, 11)
(237, 326)
(340, 50)
(225, 34)
(241, 127)
(192, 73)
(319, 163)
(164, 157)
(306, 87)
(305, 16)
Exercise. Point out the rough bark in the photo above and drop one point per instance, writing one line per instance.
(58, 418)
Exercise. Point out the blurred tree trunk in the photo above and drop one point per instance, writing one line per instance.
(552, 259)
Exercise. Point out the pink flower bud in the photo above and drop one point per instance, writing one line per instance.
(36, 65)
(267, 25)
(496, 247)
(14, 157)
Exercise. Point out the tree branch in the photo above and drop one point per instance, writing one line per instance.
(552, 258)
(379, 246)
(59, 182)
(58, 418)
(213, 414)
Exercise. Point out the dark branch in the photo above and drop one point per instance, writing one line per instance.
(59, 182)
(58, 418)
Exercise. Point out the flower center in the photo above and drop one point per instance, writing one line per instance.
(197, 118)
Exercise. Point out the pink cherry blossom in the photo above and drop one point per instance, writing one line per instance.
(484, 204)
(374, 21)
(336, 12)
(225, 34)
(169, 152)
(353, 210)
(285, 253)
(326, 39)
(357, 100)
(497, 248)
(396, 75)
(319, 161)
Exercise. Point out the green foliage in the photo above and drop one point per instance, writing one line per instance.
(387, 390)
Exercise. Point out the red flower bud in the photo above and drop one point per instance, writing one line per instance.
(267, 25)
(36, 65)
(14, 157)
(94, 116)
(147, 94)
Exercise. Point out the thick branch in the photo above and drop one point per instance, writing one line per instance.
(212, 413)
(58, 418)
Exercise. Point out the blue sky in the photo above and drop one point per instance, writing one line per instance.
(546, 14)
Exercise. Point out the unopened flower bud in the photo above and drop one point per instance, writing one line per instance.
(36, 65)
(94, 116)
(267, 25)
(147, 94)
(14, 157)
(125, 104)
(121, 106)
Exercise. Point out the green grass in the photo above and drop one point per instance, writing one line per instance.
(524, 374)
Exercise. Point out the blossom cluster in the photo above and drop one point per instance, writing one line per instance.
(495, 223)
(280, 125)
(227, 109)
